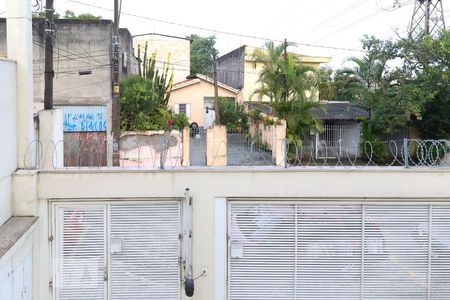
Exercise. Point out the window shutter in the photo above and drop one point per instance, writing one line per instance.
(188, 110)
(395, 252)
(177, 109)
(328, 253)
(81, 253)
(342, 251)
(146, 266)
(265, 236)
(440, 258)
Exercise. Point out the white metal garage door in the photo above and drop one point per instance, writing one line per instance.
(326, 251)
(117, 251)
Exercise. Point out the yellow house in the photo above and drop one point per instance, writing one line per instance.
(195, 98)
(240, 70)
(179, 49)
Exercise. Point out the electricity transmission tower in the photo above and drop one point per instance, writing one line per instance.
(427, 19)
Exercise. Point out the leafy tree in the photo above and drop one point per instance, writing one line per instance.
(397, 95)
(427, 65)
(202, 50)
(84, 16)
(327, 89)
(41, 15)
(68, 14)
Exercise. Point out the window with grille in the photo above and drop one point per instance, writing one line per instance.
(182, 109)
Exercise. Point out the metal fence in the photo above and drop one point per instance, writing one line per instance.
(243, 149)
(338, 141)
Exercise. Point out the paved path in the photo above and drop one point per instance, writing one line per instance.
(197, 148)
(242, 152)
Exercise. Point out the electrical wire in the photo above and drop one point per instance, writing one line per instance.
(73, 57)
(339, 29)
(335, 17)
(82, 86)
(219, 31)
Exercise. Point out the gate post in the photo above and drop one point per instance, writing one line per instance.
(406, 152)
(216, 146)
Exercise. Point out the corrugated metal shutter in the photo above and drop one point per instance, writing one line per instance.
(440, 256)
(323, 251)
(395, 252)
(80, 253)
(328, 251)
(266, 234)
(147, 266)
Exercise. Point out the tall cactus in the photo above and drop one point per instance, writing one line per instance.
(160, 82)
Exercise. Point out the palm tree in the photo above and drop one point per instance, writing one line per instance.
(290, 86)
(284, 78)
(367, 72)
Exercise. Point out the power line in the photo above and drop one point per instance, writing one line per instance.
(335, 17)
(219, 31)
(363, 19)
(82, 86)
(74, 57)
(339, 29)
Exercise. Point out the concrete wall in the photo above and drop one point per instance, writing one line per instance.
(80, 45)
(129, 61)
(144, 149)
(273, 136)
(21, 264)
(230, 68)
(195, 94)
(8, 150)
(210, 188)
(178, 48)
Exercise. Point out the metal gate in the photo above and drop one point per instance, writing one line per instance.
(117, 251)
(338, 251)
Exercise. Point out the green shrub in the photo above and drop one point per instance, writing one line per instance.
(255, 115)
(372, 146)
(141, 110)
(232, 115)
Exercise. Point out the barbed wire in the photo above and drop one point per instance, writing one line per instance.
(240, 148)
(393, 153)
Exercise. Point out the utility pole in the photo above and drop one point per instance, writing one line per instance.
(49, 73)
(285, 50)
(285, 96)
(116, 87)
(216, 88)
(427, 19)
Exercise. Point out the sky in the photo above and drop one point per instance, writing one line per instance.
(315, 23)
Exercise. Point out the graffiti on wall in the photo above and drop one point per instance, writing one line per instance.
(84, 118)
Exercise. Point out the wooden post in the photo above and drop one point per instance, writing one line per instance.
(216, 89)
